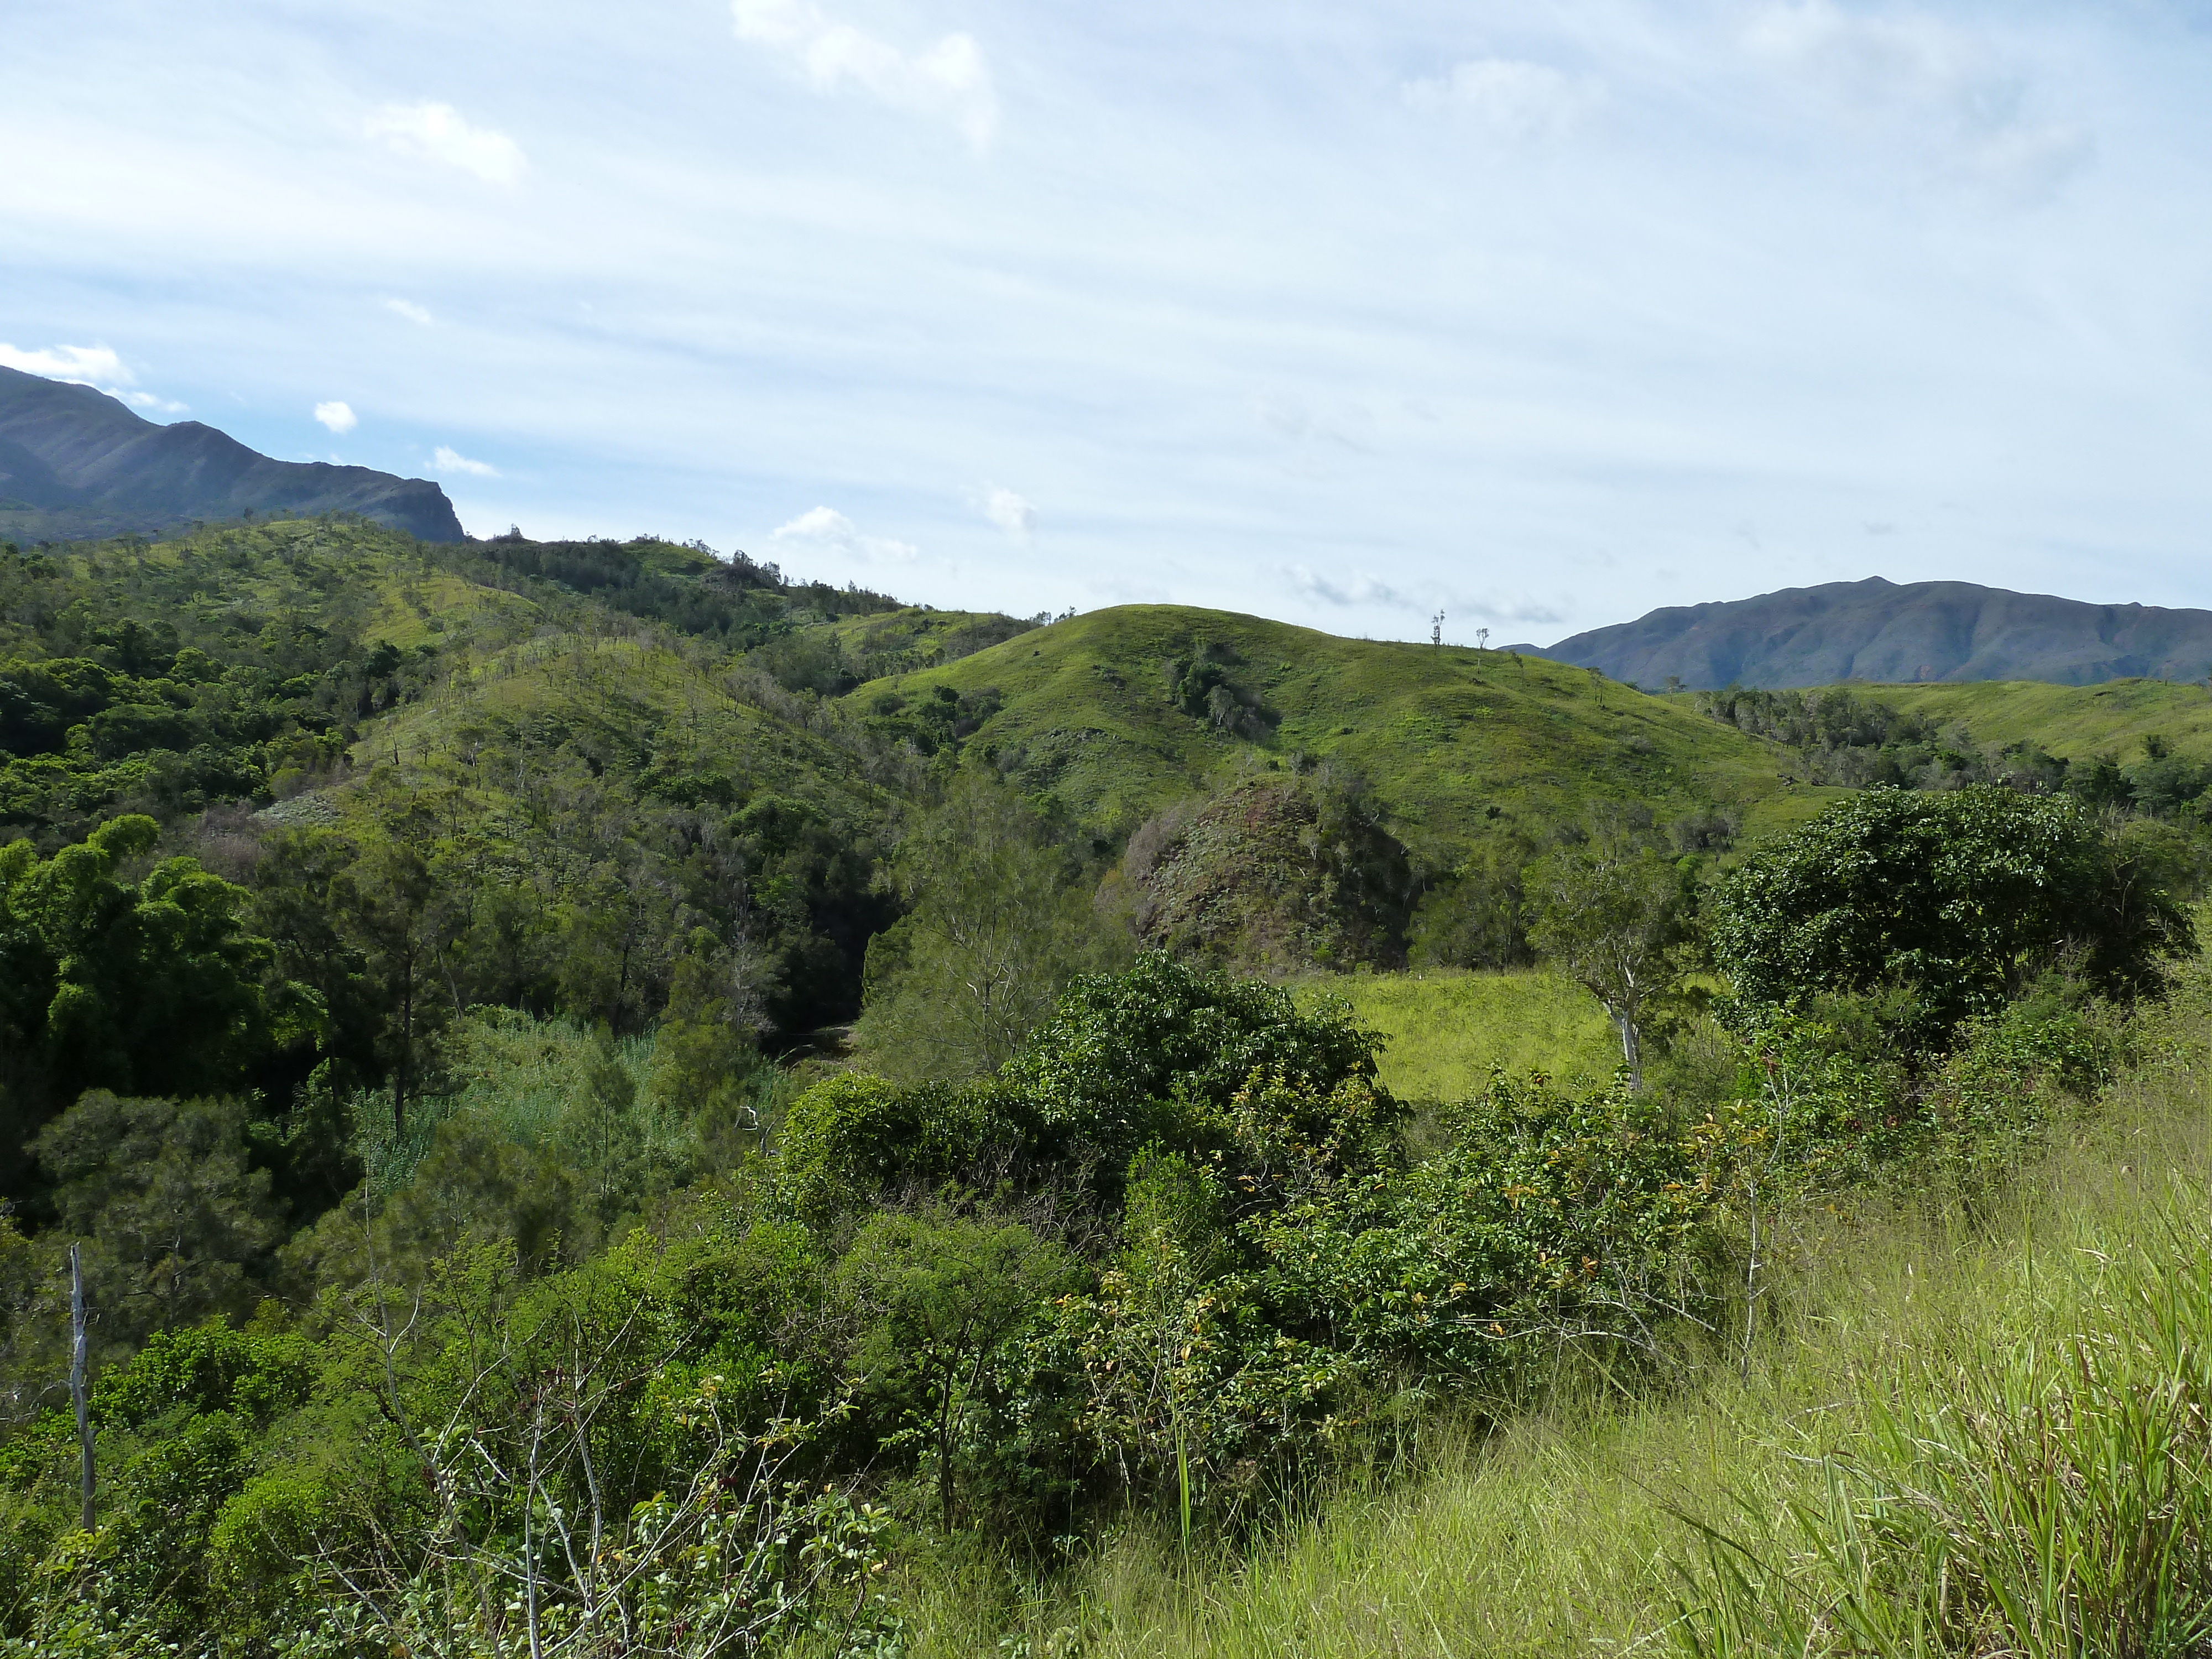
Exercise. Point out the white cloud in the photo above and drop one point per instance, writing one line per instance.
(1909, 66)
(1515, 101)
(409, 310)
(1898, 56)
(823, 529)
(98, 367)
(1011, 513)
(949, 81)
(1359, 588)
(1514, 610)
(1709, 304)
(95, 366)
(337, 416)
(1287, 418)
(445, 458)
(436, 132)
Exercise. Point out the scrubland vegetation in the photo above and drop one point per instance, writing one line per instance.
(2005, 1410)
(598, 1100)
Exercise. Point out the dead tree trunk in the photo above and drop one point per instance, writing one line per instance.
(79, 1396)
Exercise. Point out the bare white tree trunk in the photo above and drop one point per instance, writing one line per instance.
(78, 1395)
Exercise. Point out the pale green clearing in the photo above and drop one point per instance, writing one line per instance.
(1447, 1030)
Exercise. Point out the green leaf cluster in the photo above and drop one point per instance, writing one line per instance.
(153, 985)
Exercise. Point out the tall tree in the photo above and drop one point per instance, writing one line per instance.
(154, 985)
(1615, 917)
(999, 924)
(175, 1214)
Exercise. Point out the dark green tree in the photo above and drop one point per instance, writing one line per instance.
(1964, 897)
(153, 986)
(176, 1217)
(1125, 1053)
(1479, 915)
(999, 925)
(937, 1296)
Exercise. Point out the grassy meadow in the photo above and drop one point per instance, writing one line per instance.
(2071, 721)
(1447, 1030)
(2009, 1411)
(1791, 807)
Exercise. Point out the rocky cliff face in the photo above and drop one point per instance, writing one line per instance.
(76, 462)
(1877, 630)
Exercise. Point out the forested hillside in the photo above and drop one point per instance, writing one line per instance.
(601, 1098)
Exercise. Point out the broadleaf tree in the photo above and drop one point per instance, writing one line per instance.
(998, 927)
(1615, 917)
(1963, 898)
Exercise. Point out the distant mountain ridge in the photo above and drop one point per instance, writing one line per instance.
(1882, 631)
(75, 464)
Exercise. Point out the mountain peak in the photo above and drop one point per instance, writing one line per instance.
(76, 462)
(1875, 630)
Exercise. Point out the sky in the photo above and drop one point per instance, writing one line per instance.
(1539, 315)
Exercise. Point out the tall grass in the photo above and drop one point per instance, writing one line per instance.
(1952, 1440)
(533, 1078)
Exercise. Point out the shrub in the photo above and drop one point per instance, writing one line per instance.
(1966, 896)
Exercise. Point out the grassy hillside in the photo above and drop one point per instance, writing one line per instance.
(918, 637)
(333, 574)
(387, 651)
(1162, 1337)
(2072, 722)
(683, 731)
(1789, 807)
(1121, 710)
(599, 740)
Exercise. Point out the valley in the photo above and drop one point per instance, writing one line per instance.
(1332, 1089)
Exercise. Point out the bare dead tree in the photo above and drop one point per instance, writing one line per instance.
(79, 1396)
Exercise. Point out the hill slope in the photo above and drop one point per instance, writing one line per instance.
(1121, 711)
(1877, 630)
(2074, 722)
(587, 768)
(75, 464)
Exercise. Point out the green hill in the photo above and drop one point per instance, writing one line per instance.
(593, 748)
(442, 958)
(2072, 722)
(1120, 711)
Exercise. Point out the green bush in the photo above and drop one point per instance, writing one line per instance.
(1583, 1217)
(256, 1373)
(1966, 896)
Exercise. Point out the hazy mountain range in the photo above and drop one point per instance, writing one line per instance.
(1882, 631)
(76, 462)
